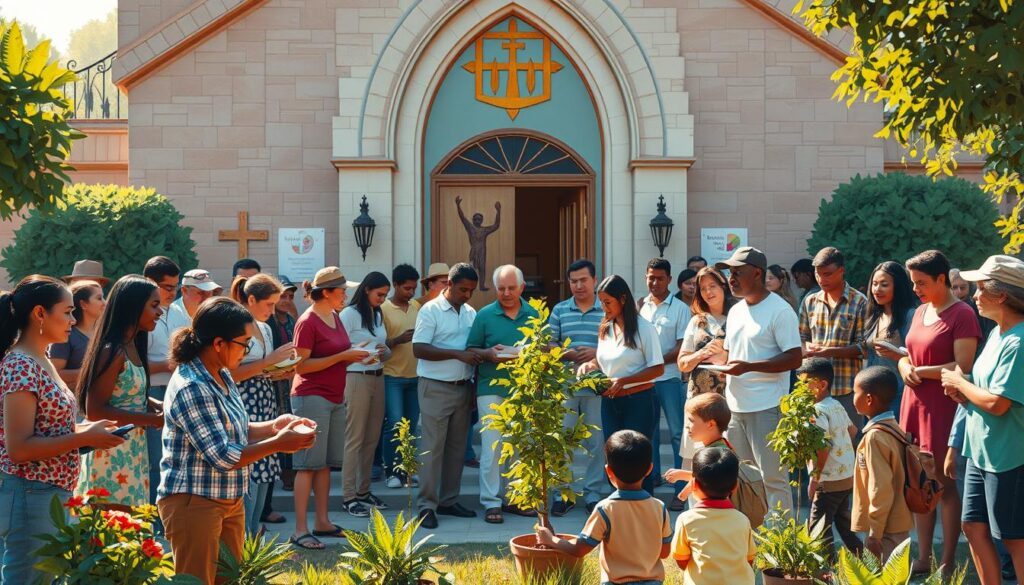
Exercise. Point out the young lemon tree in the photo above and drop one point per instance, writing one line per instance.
(537, 448)
(797, 439)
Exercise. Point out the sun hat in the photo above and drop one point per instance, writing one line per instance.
(437, 269)
(331, 277)
(88, 270)
(199, 278)
(745, 255)
(1005, 269)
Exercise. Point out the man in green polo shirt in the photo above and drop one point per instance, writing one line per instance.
(494, 334)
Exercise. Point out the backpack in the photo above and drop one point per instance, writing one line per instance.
(750, 497)
(921, 487)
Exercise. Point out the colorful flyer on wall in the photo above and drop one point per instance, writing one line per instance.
(300, 252)
(717, 244)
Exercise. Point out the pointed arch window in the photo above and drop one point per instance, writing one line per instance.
(513, 154)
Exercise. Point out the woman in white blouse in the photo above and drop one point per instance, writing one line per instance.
(629, 354)
(364, 392)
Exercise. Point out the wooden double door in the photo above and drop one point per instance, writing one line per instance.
(539, 228)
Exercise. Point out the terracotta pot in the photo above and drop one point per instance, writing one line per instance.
(539, 562)
(774, 577)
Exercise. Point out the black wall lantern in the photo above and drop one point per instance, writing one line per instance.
(364, 225)
(661, 227)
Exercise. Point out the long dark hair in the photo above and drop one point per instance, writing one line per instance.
(361, 299)
(216, 317)
(125, 305)
(615, 286)
(903, 298)
(16, 306)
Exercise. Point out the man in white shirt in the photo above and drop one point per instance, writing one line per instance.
(762, 345)
(670, 316)
(196, 286)
(445, 371)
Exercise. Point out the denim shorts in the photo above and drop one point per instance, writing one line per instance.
(995, 499)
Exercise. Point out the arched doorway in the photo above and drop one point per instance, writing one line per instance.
(514, 196)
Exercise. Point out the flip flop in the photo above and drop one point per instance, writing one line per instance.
(338, 532)
(307, 541)
(275, 518)
(494, 516)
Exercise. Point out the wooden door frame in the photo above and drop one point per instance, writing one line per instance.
(587, 181)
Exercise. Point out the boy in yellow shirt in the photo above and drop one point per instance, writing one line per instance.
(879, 507)
(713, 542)
(632, 551)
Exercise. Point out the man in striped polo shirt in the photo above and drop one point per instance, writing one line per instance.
(578, 319)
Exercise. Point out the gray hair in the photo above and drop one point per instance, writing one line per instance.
(520, 280)
(1014, 294)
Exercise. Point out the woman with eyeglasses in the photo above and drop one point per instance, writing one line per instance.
(209, 443)
(259, 294)
(318, 392)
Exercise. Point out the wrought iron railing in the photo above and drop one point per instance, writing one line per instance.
(93, 94)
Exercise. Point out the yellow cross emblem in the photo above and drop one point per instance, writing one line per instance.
(513, 41)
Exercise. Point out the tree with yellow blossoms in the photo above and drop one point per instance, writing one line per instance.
(950, 75)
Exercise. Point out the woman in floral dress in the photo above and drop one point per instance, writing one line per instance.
(259, 295)
(702, 342)
(113, 385)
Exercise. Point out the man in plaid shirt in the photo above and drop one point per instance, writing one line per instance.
(832, 325)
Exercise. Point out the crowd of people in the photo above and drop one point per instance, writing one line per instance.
(171, 389)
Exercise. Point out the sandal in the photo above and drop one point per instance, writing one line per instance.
(494, 516)
(337, 532)
(307, 541)
(274, 518)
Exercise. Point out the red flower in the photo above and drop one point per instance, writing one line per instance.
(122, 478)
(97, 542)
(98, 492)
(152, 548)
(74, 502)
(120, 520)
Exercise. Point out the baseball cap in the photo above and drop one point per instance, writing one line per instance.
(200, 279)
(331, 277)
(745, 255)
(1005, 269)
(287, 282)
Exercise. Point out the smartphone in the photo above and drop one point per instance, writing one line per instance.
(893, 348)
(119, 431)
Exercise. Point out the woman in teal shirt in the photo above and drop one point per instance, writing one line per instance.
(993, 505)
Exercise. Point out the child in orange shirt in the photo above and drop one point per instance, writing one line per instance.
(632, 552)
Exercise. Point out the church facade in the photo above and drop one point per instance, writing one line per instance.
(531, 132)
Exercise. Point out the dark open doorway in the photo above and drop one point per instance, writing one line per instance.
(551, 231)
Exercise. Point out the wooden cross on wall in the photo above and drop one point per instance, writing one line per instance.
(243, 234)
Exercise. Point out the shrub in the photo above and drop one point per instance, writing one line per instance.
(119, 226)
(35, 138)
(383, 557)
(894, 216)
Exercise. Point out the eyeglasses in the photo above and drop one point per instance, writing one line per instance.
(245, 345)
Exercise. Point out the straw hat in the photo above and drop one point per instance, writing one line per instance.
(87, 270)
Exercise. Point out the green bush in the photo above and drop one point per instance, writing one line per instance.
(894, 216)
(119, 226)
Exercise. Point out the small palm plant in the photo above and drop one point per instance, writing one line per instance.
(797, 439)
(787, 548)
(538, 449)
(262, 562)
(408, 456)
(383, 557)
(868, 570)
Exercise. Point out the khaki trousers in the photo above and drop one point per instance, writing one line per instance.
(364, 400)
(195, 527)
(444, 422)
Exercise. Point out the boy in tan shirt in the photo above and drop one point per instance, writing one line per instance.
(879, 508)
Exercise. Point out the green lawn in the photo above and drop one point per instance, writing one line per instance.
(492, 564)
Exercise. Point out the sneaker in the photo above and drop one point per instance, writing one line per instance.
(561, 508)
(373, 501)
(394, 482)
(357, 508)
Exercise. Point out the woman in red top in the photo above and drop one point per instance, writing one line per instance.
(943, 335)
(318, 393)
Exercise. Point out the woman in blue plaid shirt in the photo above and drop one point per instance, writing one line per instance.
(208, 441)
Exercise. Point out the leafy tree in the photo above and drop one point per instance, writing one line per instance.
(93, 40)
(949, 74)
(894, 216)
(35, 138)
(119, 226)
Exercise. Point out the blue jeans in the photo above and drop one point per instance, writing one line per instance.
(154, 445)
(671, 398)
(24, 513)
(634, 412)
(400, 401)
(254, 502)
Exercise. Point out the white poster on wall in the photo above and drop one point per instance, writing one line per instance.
(300, 252)
(717, 244)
